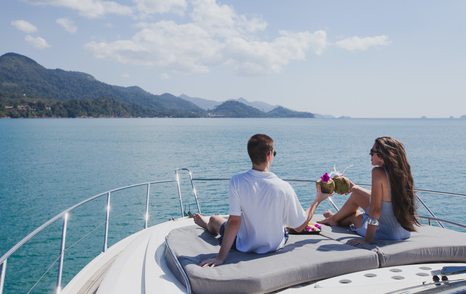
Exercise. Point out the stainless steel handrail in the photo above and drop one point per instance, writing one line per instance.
(194, 190)
(64, 214)
(430, 218)
(2, 274)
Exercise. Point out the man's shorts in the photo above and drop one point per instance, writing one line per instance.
(222, 233)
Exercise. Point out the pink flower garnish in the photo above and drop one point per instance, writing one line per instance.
(325, 178)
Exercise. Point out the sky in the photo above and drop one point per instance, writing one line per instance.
(377, 59)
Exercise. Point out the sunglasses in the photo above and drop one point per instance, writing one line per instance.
(373, 151)
(274, 153)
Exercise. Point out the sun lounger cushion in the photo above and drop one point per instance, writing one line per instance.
(305, 258)
(428, 244)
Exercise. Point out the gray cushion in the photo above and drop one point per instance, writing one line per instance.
(428, 244)
(305, 258)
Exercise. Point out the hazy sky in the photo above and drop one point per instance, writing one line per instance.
(394, 58)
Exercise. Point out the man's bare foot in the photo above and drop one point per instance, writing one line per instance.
(200, 220)
(327, 214)
(328, 221)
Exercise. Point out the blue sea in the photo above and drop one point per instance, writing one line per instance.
(48, 165)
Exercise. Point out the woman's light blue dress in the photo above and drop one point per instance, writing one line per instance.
(389, 227)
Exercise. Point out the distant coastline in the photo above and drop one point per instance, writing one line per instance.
(29, 90)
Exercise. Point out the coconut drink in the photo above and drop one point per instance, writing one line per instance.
(342, 184)
(327, 185)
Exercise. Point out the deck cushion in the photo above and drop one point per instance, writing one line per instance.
(305, 258)
(428, 244)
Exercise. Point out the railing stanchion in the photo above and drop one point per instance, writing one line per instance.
(430, 211)
(62, 253)
(333, 203)
(194, 190)
(107, 220)
(177, 175)
(146, 216)
(2, 275)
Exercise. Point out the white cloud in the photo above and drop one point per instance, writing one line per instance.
(88, 8)
(146, 7)
(67, 24)
(216, 35)
(37, 42)
(222, 20)
(24, 26)
(358, 43)
(165, 44)
(259, 57)
(165, 76)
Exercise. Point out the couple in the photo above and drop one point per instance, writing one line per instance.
(261, 205)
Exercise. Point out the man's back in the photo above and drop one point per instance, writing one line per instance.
(266, 204)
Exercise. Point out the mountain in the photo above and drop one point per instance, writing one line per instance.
(316, 115)
(232, 108)
(262, 106)
(211, 104)
(22, 80)
(201, 102)
(28, 89)
(285, 112)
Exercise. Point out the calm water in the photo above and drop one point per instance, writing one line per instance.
(48, 165)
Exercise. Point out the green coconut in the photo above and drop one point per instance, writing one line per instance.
(342, 184)
(326, 187)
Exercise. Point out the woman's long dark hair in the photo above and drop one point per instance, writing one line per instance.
(396, 164)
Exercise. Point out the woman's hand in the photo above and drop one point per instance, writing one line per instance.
(352, 185)
(357, 241)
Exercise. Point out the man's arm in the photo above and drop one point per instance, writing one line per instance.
(231, 230)
(312, 208)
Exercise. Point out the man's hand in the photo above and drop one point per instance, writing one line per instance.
(211, 262)
(320, 196)
(231, 229)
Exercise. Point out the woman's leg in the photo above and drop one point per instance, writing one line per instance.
(355, 219)
(349, 211)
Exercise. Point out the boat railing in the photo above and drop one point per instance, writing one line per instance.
(64, 216)
(431, 217)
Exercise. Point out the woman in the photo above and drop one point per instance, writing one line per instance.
(389, 206)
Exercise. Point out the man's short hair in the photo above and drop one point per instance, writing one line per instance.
(258, 147)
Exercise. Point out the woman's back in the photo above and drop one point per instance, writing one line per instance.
(389, 227)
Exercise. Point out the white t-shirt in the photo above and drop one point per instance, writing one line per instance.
(266, 205)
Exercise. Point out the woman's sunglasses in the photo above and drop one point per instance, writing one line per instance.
(373, 151)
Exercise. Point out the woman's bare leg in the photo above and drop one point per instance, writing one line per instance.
(355, 219)
(359, 198)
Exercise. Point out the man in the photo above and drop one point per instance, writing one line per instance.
(261, 207)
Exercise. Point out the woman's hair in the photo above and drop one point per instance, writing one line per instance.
(258, 147)
(396, 164)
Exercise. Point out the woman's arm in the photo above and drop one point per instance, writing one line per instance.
(375, 208)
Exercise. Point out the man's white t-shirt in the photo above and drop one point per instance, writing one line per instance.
(267, 205)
